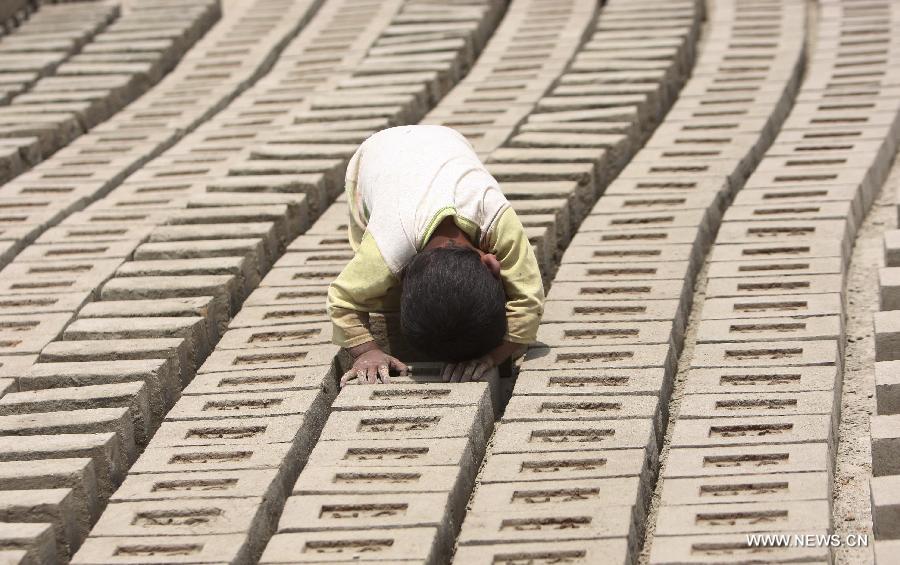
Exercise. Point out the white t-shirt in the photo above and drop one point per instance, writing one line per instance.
(400, 180)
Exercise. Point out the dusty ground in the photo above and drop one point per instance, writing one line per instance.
(852, 512)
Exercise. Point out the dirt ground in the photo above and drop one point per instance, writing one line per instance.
(852, 511)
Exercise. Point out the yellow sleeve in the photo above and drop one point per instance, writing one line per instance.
(362, 287)
(521, 278)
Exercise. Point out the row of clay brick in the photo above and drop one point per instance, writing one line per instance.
(273, 378)
(111, 237)
(390, 475)
(242, 157)
(34, 51)
(544, 491)
(879, 108)
(45, 40)
(93, 81)
(627, 278)
(224, 63)
(774, 304)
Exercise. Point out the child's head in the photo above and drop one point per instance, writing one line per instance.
(453, 308)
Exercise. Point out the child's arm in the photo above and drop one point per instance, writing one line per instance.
(359, 289)
(521, 276)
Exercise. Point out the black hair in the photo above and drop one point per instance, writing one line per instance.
(452, 307)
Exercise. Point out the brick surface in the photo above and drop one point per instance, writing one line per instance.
(784, 516)
(406, 545)
(156, 549)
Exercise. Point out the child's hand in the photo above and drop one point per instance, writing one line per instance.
(466, 371)
(369, 366)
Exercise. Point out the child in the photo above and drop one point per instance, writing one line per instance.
(425, 211)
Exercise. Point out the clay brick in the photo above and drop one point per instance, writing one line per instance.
(109, 457)
(255, 248)
(406, 545)
(156, 549)
(639, 253)
(887, 347)
(785, 232)
(770, 329)
(746, 489)
(163, 383)
(885, 445)
(697, 219)
(475, 394)
(611, 309)
(593, 357)
(223, 287)
(132, 395)
(747, 460)
(580, 408)
(625, 271)
(200, 484)
(34, 540)
(752, 381)
(766, 354)
(660, 235)
(23, 334)
(92, 234)
(173, 349)
(264, 380)
(619, 290)
(41, 303)
(267, 316)
(182, 517)
(76, 475)
(294, 428)
(56, 506)
(774, 286)
(273, 358)
(422, 423)
(886, 551)
(777, 250)
(755, 430)
(556, 494)
(886, 506)
(33, 278)
(817, 210)
(279, 296)
(887, 388)
(371, 511)
(583, 334)
(589, 382)
(301, 276)
(784, 267)
(191, 329)
(543, 437)
(784, 516)
(801, 306)
(212, 458)
(318, 480)
(268, 337)
(672, 550)
(207, 307)
(394, 453)
(582, 552)
(547, 525)
(246, 405)
(888, 283)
